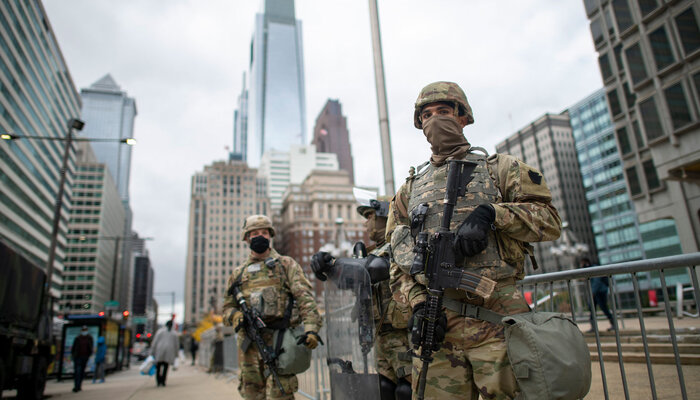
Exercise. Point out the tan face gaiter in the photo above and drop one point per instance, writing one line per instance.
(446, 139)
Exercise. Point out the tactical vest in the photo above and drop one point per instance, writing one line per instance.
(388, 314)
(429, 185)
(266, 289)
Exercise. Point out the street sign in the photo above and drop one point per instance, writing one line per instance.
(139, 320)
(112, 303)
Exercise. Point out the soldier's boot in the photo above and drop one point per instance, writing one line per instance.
(386, 388)
(403, 390)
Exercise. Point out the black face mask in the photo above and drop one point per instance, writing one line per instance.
(259, 244)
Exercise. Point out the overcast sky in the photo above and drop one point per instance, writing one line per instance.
(183, 63)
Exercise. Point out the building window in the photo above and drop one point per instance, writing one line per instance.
(688, 29)
(597, 31)
(605, 69)
(663, 56)
(647, 6)
(650, 119)
(622, 14)
(590, 5)
(677, 106)
(651, 175)
(614, 103)
(630, 98)
(633, 181)
(696, 80)
(624, 140)
(618, 57)
(635, 63)
(638, 134)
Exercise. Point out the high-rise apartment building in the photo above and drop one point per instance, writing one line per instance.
(222, 197)
(37, 98)
(548, 145)
(281, 168)
(277, 100)
(331, 135)
(96, 221)
(614, 222)
(648, 61)
(311, 213)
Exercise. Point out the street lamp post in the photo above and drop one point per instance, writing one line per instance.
(78, 125)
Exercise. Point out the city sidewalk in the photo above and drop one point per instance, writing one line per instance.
(188, 382)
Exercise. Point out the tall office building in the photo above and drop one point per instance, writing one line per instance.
(96, 220)
(311, 212)
(109, 113)
(222, 197)
(277, 102)
(142, 307)
(37, 98)
(648, 61)
(240, 126)
(331, 135)
(614, 222)
(281, 168)
(548, 145)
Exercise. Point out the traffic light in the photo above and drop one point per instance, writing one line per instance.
(101, 313)
(125, 314)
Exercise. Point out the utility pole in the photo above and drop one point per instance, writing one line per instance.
(387, 162)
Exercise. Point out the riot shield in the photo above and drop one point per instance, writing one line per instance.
(350, 329)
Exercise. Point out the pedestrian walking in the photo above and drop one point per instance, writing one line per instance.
(100, 360)
(194, 346)
(599, 288)
(164, 349)
(81, 350)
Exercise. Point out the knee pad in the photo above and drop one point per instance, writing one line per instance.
(386, 388)
(403, 390)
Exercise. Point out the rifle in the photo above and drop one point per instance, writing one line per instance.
(253, 325)
(435, 257)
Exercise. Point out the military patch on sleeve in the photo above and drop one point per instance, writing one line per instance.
(535, 177)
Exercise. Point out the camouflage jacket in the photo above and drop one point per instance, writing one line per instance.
(524, 213)
(387, 311)
(268, 290)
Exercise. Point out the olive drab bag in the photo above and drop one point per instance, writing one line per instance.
(296, 358)
(549, 355)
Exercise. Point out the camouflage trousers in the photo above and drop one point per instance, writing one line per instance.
(392, 360)
(473, 359)
(252, 382)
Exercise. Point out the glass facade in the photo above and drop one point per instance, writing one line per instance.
(613, 218)
(37, 98)
(277, 98)
(108, 113)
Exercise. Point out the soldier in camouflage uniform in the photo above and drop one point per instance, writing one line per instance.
(267, 281)
(390, 317)
(507, 205)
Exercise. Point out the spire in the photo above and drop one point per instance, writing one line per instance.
(106, 83)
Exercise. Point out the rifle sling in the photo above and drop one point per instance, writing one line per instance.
(471, 310)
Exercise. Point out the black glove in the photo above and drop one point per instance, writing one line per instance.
(321, 263)
(416, 325)
(473, 233)
(310, 339)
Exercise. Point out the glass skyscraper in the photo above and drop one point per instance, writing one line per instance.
(37, 98)
(613, 220)
(109, 113)
(277, 102)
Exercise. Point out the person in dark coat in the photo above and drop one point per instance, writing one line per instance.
(194, 346)
(81, 350)
(599, 289)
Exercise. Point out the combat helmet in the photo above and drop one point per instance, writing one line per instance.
(442, 91)
(257, 222)
(368, 200)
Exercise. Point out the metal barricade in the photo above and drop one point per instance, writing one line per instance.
(569, 286)
(314, 384)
